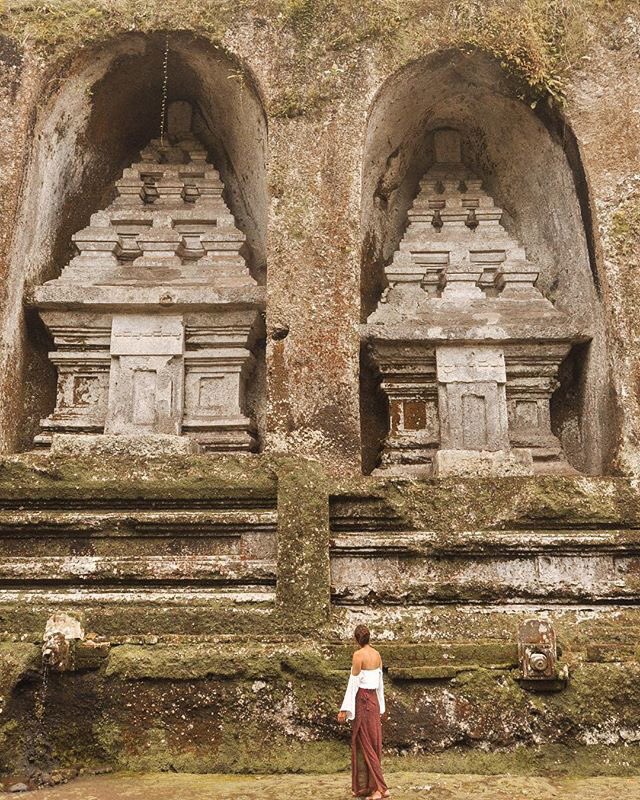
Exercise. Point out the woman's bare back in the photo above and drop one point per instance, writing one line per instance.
(366, 657)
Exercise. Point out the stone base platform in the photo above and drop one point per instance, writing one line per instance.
(482, 463)
(152, 445)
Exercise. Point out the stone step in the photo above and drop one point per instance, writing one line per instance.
(80, 569)
(419, 655)
(578, 625)
(137, 533)
(136, 521)
(139, 612)
(329, 662)
(486, 542)
(486, 565)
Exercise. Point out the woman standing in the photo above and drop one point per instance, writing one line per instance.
(364, 704)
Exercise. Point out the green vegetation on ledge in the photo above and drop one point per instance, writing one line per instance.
(538, 42)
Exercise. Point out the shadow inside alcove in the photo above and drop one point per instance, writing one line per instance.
(106, 109)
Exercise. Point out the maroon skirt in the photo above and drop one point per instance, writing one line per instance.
(366, 745)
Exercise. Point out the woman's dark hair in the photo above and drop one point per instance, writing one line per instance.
(362, 635)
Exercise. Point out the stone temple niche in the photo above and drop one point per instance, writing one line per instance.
(468, 349)
(154, 319)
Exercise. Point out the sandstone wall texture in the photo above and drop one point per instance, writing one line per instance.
(217, 594)
(316, 117)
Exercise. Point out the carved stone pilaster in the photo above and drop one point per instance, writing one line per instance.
(532, 379)
(82, 361)
(218, 364)
(408, 380)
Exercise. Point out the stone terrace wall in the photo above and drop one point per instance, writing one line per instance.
(218, 596)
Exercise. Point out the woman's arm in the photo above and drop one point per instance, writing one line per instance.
(380, 693)
(348, 707)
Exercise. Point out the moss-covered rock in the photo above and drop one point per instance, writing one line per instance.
(42, 477)
(188, 662)
(303, 587)
(203, 707)
(539, 43)
(16, 658)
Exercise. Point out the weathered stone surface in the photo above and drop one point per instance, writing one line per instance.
(289, 690)
(147, 445)
(167, 551)
(135, 353)
(303, 586)
(490, 387)
(482, 463)
(499, 540)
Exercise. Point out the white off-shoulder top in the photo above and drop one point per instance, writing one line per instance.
(365, 679)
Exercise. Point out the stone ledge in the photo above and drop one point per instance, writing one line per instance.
(44, 479)
(229, 660)
(440, 672)
(445, 654)
(190, 662)
(210, 570)
(89, 654)
(602, 652)
(151, 445)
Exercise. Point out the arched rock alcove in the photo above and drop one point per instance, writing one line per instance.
(106, 108)
(528, 163)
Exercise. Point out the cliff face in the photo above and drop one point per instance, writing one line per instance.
(217, 592)
(346, 92)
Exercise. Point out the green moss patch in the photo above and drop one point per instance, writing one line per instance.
(49, 477)
(514, 502)
(185, 663)
(16, 658)
(624, 231)
(302, 594)
(549, 759)
(538, 42)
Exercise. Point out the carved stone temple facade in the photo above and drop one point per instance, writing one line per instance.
(350, 334)
(468, 348)
(154, 319)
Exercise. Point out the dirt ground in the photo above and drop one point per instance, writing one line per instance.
(403, 785)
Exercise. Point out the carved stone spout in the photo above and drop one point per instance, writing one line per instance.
(61, 634)
(56, 653)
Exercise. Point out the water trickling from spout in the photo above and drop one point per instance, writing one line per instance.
(40, 744)
(165, 79)
(41, 696)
